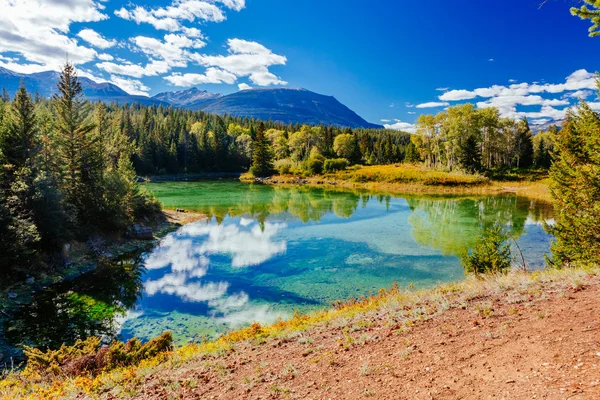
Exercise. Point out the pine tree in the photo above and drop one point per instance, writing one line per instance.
(80, 148)
(575, 187)
(18, 144)
(524, 145)
(469, 156)
(262, 156)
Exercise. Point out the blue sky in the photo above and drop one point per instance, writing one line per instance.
(381, 58)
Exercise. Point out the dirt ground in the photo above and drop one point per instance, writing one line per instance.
(543, 346)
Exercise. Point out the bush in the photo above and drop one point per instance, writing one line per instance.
(314, 164)
(284, 166)
(335, 164)
(491, 255)
(87, 356)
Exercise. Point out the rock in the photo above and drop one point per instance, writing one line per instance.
(12, 295)
(142, 232)
(29, 281)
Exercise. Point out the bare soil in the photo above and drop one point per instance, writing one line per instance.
(544, 345)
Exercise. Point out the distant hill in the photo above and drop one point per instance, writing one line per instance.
(287, 106)
(44, 83)
(281, 105)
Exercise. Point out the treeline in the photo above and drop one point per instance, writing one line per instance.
(64, 175)
(169, 140)
(477, 140)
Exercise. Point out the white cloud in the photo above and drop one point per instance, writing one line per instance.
(170, 18)
(244, 86)
(246, 58)
(153, 68)
(38, 30)
(442, 89)
(402, 126)
(95, 39)
(433, 104)
(508, 99)
(578, 80)
(212, 75)
(131, 86)
(105, 57)
(491, 60)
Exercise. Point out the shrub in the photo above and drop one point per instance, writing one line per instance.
(335, 164)
(284, 166)
(491, 255)
(87, 356)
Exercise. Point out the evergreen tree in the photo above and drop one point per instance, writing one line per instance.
(80, 151)
(575, 187)
(524, 145)
(18, 144)
(469, 156)
(262, 156)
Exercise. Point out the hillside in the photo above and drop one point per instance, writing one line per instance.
(288, 106)
(520, 336)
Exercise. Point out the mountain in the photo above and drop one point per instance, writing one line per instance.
(44, 83)
(287, 106)
(295, 106)
(192, 98)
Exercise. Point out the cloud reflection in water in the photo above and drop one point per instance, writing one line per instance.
(188, 254)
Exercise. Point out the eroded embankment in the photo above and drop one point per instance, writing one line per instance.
(521, 336)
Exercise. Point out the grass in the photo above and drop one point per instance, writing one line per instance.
(416, 178)
(399, 309)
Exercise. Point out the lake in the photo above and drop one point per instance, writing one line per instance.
(265, 252)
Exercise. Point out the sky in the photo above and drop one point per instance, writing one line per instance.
(388, 60)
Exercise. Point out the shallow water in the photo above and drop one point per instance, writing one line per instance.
(268, 251)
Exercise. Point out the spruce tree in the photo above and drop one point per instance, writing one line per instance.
(524, 145)
(80, 150)
(18, 144)
(262, 156)
(575, 187)
(469, 155)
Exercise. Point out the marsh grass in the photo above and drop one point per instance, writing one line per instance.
(394, 305)
(415, 178)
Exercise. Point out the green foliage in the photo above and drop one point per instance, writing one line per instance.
(64, 174)
(284, 166)
(491, 254)
(335, 164)
(262, 158)
(314, 164)
(575, 187)
(591, 13)
(463, 137)
(344, 145)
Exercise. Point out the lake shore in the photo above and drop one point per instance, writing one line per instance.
(411, 179)
(509, 335)
(82, 260)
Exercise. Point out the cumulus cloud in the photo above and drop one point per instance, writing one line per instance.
(508, 99)
(244, 86)
(401, 126)
(131, 86)
(433, 104)
(212, 75)
(246, 59)
(38, 30)
(170, 18)
(95, 39)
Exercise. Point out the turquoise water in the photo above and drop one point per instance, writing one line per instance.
(265, 252)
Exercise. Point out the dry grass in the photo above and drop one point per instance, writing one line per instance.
(413, 178)
(399, 308)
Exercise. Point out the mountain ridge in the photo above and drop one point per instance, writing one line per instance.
(284, 105)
